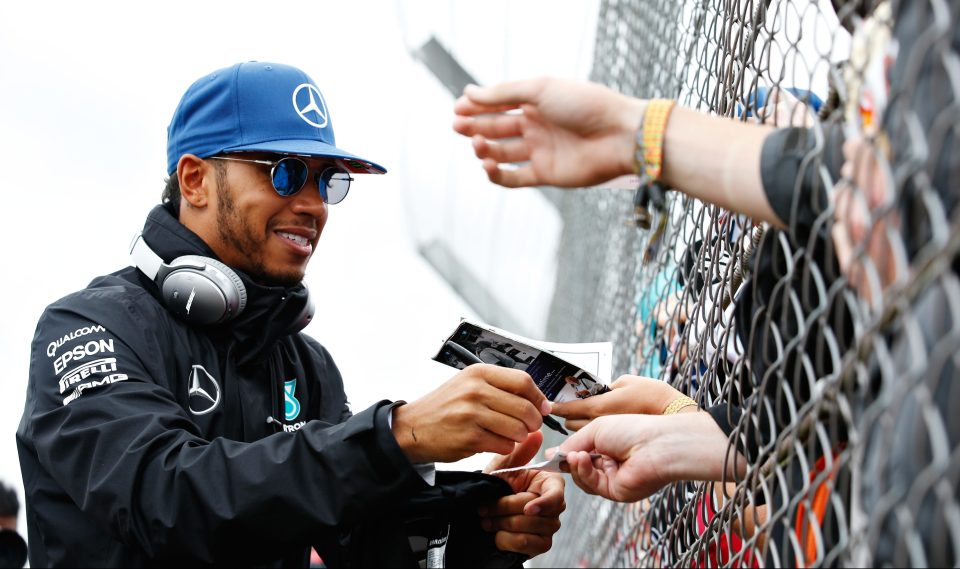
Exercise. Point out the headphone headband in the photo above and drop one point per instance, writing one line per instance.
(144, 258)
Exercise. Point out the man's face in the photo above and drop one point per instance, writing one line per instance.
(268, 236)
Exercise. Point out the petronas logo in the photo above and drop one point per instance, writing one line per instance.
(291, 407)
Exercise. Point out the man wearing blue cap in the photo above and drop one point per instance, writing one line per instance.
(176, 414)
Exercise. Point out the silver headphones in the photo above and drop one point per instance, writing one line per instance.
(201, 290)
(198, 289)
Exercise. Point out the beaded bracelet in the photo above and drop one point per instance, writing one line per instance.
(648, 161)
(652, 130)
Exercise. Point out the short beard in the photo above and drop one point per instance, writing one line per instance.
(235, 231)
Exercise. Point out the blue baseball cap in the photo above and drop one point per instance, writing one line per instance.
(257, 106)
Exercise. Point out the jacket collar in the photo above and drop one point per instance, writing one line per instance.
(271, 313)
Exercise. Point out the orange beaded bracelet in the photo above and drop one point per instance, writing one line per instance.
(654, 125)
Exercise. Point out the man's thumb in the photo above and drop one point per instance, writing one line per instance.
(522, 453)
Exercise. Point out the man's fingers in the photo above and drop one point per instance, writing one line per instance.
(582, 440)
(576, 424)
(525, 543)
(511, 505)
(518, 177)
(518, 383)
(509, 393)
(510, 93)
(550, 502)
(497, 444)
(511, 150)
(494, 127)
(522, 453)
(522, 503)
(523, 524)
(581, 409)
(512, 381)
(465, 107)
(503, 426)
(592, 407)
(512, 416)
(484, 440)
(584, 473)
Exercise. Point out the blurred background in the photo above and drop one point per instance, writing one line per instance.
(89, 88)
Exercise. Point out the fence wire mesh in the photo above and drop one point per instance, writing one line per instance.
(841, 384)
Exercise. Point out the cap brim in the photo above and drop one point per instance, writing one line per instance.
(314, 148)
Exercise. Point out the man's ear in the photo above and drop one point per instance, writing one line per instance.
(196, 179)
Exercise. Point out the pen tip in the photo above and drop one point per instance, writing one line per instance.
(554, 424)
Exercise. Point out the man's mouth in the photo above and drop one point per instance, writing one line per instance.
(298, 239)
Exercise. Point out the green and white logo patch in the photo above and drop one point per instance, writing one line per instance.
(291, 407)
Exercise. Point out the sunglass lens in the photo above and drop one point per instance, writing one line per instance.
(334, 185)
(289, 176)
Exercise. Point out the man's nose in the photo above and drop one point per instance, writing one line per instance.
(308, 200)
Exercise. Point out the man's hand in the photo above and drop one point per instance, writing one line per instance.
(643, 453)
(526, 521)
(484, 408)
(571, 133)
(628, 394)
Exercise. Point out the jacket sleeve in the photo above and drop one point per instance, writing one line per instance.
(798, 166)
(104, 426)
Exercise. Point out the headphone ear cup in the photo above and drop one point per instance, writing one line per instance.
(202, 290)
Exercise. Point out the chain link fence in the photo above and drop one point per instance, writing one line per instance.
(839, 383)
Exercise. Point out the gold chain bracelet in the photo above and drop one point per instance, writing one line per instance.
(677, 404)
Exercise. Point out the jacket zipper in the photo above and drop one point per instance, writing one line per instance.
(277, 406)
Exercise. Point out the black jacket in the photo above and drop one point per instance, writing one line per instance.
(140, 467)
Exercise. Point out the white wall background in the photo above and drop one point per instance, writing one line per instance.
(87, 90)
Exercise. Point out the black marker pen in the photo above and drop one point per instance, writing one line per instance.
(468, 357)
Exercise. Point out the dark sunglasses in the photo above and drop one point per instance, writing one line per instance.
(289, 174)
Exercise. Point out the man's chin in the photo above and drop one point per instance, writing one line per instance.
(286, 280)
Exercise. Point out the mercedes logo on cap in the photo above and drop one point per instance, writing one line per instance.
(311, 107)
(203, 395)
